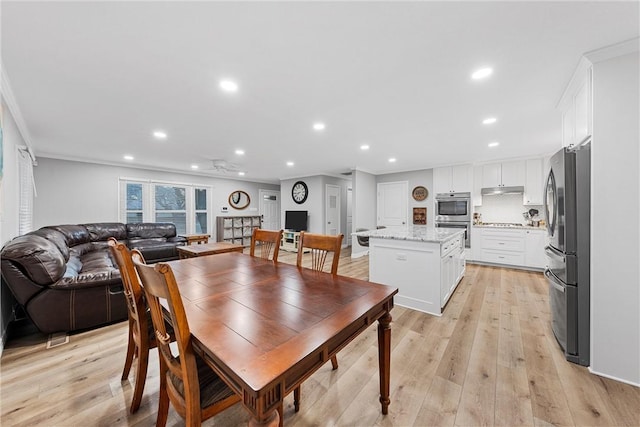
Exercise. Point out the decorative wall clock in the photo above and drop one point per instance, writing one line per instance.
(299, 192)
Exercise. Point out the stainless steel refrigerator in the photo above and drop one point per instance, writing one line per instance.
(567, 211)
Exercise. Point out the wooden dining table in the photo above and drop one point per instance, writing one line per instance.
(265, 327)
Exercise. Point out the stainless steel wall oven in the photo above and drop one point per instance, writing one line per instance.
(453, 210)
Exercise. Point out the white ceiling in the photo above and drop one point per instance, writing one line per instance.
(93, 80)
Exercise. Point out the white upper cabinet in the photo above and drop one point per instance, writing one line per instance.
(534, 183)
(507, 174)
(575, 106)
(453, 179)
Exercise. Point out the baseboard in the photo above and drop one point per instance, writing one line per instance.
(515, 267)
(359, 254)
(611, 377)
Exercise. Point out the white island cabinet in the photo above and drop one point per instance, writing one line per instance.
(425, 264)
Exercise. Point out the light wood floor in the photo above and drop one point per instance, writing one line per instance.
(491, 359)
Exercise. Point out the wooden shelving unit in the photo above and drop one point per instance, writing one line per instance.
(236, 229)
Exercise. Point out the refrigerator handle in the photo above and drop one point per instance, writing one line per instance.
(553, 252)
(553, 280)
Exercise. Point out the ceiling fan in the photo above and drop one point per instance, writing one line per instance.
(223, 166)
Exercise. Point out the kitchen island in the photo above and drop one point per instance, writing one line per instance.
(425, 264)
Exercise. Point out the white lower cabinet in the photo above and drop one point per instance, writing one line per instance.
(516, 247)
(425, 273)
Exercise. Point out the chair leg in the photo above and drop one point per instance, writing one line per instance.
(131, 348)
(163, 402)
(296, 398)
(334, 362)
(141, 377)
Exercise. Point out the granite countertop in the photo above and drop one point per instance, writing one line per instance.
(511, 227)
(414, 233)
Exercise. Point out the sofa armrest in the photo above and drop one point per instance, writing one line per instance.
(179, 240)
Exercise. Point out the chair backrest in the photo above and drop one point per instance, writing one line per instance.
(159, 283)
(133, 292)
(269, 242)
(320, 245)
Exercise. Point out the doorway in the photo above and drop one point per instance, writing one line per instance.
(392, 204)
(269, 207)
(332, 210)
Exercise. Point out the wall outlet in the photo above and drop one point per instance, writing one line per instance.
(224, 209)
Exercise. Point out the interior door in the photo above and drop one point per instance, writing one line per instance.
(270, 209)
(392, 204)
(332, 210)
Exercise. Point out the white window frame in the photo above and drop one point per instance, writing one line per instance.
(149, 207)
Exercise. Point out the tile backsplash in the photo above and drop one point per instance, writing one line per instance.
(505, 208)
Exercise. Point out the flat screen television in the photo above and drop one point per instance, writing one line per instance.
(296, 220)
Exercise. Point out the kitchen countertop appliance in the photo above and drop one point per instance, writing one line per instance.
(567, 214)
(453, 210)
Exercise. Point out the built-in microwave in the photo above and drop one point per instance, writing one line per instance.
(453, 207)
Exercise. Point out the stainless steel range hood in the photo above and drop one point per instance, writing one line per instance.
(494, 191)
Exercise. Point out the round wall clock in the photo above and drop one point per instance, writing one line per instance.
(420, 193)
(299, 192)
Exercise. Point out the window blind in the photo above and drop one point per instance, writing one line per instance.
(27, 191)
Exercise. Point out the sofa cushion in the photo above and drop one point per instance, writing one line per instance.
(40, 258)
(56, 237)
(151, 230)
(97, 260)
(101, 231)
(75, 234)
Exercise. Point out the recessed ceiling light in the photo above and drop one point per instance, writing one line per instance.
(228, 85)
(289, 163)
(493, 144)
(241, 173)
(482, 73)
(239, 152)
(364, 147)
(128, 157)
(194, 166)
(489, 121)
(319, 126)
(158, 134)
(392, 160)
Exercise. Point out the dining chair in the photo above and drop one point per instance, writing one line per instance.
(186, 381)
(141, 336)
(321, 245)
(269, 243)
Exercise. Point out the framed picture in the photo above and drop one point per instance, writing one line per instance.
(420, 216)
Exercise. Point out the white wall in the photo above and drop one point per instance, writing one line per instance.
(615, 247)
(9, 202)
(315, 203)
(364, 207)
(422, 177)
(76, 192)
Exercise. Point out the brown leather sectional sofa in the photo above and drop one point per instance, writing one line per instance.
(64, 275)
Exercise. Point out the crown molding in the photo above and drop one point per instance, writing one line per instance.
(613, 51)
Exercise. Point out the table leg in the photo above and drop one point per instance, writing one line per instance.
(272, 421)
(384, 359)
